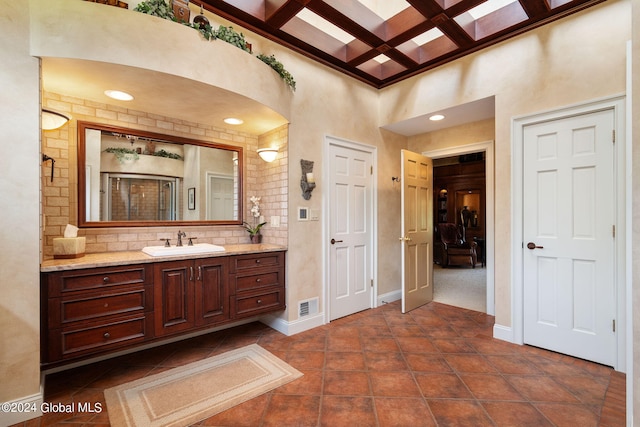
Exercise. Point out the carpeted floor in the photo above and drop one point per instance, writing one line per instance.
(461, 287)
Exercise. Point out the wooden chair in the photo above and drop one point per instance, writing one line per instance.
(455, 250)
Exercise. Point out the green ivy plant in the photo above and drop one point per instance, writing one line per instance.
(165, 153)
(158, 8)
(123, 154)
(279, 68)
(161, 9)
(231, 36)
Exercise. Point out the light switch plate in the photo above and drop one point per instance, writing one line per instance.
(314, 214)
(275, 221)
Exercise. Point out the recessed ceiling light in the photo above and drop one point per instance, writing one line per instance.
(436, 117)
(119, 95)
(233, 121)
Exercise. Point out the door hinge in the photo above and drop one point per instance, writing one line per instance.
(613, 136)
(613, 231)
(372, 283)
(614, 325)
(371, 170)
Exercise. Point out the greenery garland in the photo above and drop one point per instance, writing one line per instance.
(162, 9)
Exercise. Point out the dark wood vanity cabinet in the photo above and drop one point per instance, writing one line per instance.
(257, 283)
(189, 294)
(95, 311)
(86, 312)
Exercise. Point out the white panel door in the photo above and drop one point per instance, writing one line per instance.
(569, 213)
(350, 231)
(417, 230)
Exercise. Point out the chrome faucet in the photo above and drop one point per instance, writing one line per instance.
(181, 234)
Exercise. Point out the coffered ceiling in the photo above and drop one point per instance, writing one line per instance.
(382, 42)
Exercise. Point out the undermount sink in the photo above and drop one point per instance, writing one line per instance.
(198, 248)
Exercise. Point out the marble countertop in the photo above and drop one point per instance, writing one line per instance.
(107, 259)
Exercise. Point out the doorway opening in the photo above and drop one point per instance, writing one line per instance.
(459, 240)
(483, 274)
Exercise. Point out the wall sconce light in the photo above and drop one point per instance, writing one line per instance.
(307, 182)
(52, 119)
(268, 154)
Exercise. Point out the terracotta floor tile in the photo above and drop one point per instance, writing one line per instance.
(347, 383)
(394, 384)
(394, 412)
(538, 388)
(567, 415)
(515, 414)
(347, 411)
(490, 387)
(287, 410)
(344, 361)
(442, 386)
(434, 366)
(459, 413)
(469, 363)
(427, 363)
(385, 361)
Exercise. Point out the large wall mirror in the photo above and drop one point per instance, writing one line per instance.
(136, 178)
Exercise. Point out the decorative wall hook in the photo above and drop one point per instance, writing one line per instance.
(307, 182)
(46, 158)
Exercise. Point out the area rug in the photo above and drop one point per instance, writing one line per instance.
(190, 393)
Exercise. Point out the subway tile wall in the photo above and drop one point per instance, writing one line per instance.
(59, 203)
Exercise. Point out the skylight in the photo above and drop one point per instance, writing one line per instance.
(425, 38)
(325, 26)
(488, 7)
(385, 9)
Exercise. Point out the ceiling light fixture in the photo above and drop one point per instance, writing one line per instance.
(436, 117)
(52, 119)
(268, 154)
(233, 121)
(119, 95)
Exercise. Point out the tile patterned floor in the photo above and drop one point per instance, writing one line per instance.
(435, 366)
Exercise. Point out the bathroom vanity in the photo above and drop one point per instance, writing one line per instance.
(106, 303)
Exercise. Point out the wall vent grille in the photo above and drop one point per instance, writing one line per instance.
(307, 307)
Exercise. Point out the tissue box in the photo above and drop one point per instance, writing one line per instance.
(68, 247)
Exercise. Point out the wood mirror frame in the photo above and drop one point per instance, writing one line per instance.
(185, 202)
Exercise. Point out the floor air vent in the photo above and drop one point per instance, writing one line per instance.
(307, 307)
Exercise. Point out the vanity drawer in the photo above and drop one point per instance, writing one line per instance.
(74, 342)
(253, 304)
(85, 307)
(251, 262)
(97, 278)
(257, 281)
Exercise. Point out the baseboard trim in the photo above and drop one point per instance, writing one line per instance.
(26, 408)
(389, 297)
(294, 327)
(504, 333)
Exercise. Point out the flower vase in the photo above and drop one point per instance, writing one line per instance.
(256, 238)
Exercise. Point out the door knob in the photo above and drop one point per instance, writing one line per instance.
(404, 239)
(334, 241)
(533, 246)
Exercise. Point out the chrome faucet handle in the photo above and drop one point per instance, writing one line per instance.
(191, 241)
(166, 242)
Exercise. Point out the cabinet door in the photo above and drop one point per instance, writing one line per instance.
(173, 296)
(211, 296)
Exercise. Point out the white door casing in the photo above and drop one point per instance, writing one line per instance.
(350, 227)
(568, 220)
(417, 230)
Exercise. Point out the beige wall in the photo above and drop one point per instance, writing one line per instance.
(562, 63)
(20, 189)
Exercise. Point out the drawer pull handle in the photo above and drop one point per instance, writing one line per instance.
(105, 279)
(106, 304)
(257, 261)
(259, 301)
(107, 335)
(258, 280)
